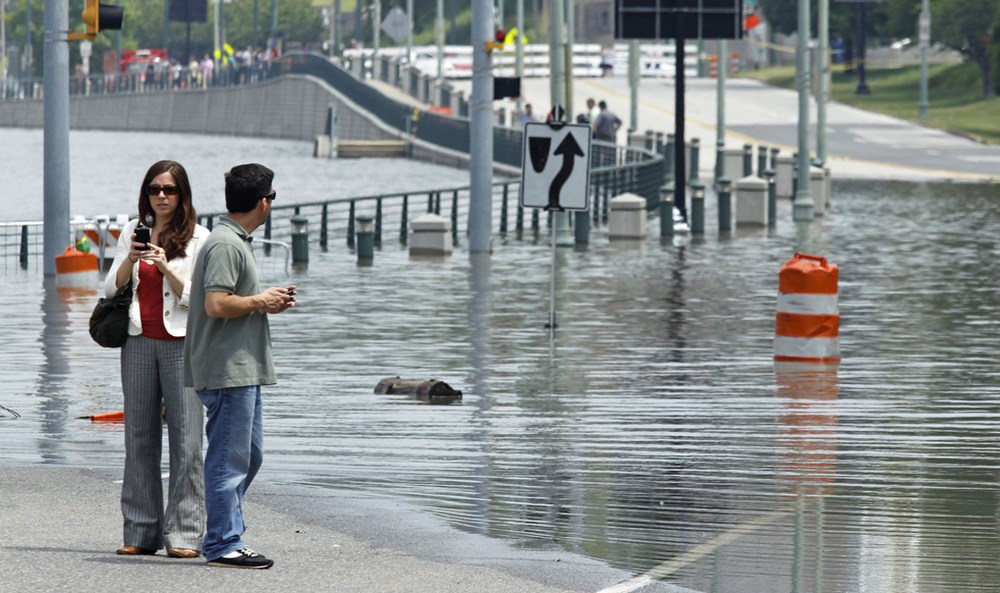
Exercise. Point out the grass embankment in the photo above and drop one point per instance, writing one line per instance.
(955, 96)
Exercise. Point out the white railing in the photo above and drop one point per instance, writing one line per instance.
(655, 59)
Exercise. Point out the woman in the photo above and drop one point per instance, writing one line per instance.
(152, 364)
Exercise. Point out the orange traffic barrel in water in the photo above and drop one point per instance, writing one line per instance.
(76, 268)
(807, 324)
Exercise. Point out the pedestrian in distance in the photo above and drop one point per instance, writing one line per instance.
(159, 264)
(607, 124)
(227, 358)
(592, 111)
(608, 61)
(526, 116)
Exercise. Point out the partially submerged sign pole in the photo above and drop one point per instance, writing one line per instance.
(555, 176)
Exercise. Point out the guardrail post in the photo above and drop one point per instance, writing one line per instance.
(534, 220)
(350, 225)
(519, 222)
(503, 210)
(437, 203)
(747, 160)
(659, 142)
(761, 160)
(324, 233)
(648, 141)
(23, 258)
(454, 217)
(774, 158)
(267, 234)
(378, 222)
(772, 196)
(430, 203)
(404, 215)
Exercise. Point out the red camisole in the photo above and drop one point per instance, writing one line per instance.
(151, 303)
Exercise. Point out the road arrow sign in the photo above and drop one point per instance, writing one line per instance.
(555, 171)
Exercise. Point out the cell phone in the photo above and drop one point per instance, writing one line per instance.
(143, 235)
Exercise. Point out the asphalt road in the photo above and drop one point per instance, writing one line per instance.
(860, 144)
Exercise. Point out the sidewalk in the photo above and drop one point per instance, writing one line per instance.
(61, 526)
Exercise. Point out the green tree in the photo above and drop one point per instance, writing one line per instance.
(965, 25)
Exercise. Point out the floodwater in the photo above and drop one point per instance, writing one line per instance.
(653, 431)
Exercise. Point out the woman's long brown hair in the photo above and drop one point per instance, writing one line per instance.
(180, 228)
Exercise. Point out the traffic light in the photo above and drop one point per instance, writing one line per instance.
(497, 43)
(97, 16)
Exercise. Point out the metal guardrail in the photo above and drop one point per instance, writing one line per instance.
(614, 170)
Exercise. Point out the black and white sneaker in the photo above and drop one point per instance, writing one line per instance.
(242, 558)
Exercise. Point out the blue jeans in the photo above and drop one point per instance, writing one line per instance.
(235, 450)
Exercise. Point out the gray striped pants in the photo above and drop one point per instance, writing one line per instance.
(153, 377)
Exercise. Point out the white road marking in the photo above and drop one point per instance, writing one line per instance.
(698, 552)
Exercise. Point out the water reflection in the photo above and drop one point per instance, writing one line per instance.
(54, 375)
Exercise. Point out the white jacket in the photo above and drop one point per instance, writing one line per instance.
(174, 306)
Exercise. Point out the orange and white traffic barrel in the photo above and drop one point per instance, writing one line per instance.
(807, 324)
(76, 268)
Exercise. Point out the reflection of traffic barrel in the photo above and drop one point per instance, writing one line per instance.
(807, 324)
(76, 268)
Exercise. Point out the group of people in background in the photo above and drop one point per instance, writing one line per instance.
(602, 120)
(199, 347)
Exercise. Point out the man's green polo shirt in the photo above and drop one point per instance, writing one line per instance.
(221, 353)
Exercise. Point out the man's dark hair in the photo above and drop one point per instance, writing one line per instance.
(603, 105)
(246, 185)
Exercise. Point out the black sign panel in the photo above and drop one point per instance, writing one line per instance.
(188, 11)
(660, 19)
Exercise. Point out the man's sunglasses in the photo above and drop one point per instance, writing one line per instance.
(271, 196)
(168, 190)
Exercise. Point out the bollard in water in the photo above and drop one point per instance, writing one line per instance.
(668, 158)
(698, 208)
(747, 160)
(366, 238)
(761, 160)
(772, 197)
(667, 210)
(300, 239)
(581, 227)
(695, 150)
(725, 205)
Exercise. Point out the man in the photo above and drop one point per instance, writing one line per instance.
(592, 111)
(607, 124)
(526, 116)
(227, 357)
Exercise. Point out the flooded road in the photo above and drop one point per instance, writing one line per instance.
(654, 432)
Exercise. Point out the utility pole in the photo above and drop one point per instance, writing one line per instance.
(557, 63)
(56, 232)
(570, 35)
(481, 132)
(802, 208)
(519, 48)
(722, 69)
(823, 19)
(924, 39)
(439, 39)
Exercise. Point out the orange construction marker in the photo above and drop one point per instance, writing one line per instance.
(807, 323)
